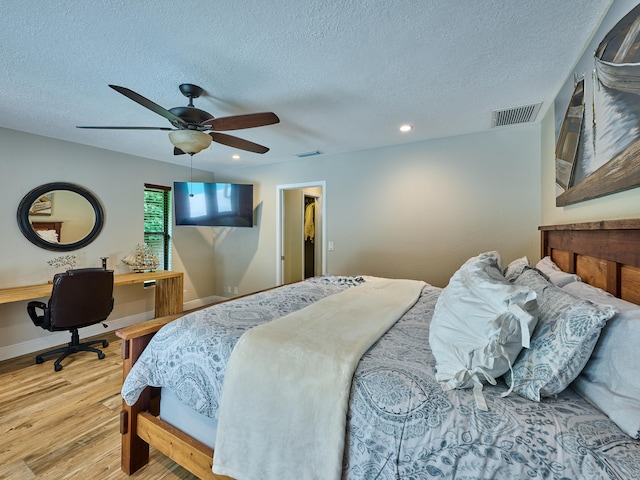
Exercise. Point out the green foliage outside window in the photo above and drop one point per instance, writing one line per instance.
(157, 222)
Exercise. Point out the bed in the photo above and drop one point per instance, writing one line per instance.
(401, 423)
(49, 231)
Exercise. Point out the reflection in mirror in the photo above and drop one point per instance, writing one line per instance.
(72, 211)
(60, 216)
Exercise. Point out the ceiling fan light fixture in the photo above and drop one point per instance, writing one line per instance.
(190, 141)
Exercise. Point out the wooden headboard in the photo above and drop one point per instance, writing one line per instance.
(605, 254)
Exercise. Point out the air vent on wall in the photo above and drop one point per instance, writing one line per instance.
(512, 116)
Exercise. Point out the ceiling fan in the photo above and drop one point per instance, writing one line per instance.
(190, 123)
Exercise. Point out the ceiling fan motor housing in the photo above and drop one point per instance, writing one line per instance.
(191, 114)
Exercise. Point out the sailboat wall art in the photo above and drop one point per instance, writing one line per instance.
(598, 113)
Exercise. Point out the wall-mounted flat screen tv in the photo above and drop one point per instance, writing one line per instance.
(213, 204)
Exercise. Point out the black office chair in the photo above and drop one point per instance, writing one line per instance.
(79, 298)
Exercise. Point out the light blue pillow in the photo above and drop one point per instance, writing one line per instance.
(554, 274)
(567, 331)
(609, 380)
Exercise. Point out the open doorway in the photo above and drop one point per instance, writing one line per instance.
(300, 231)
(310, 205)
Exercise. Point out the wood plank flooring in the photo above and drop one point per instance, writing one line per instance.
(65, 425)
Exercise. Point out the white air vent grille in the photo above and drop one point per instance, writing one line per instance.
(308, 154)
(512, 116)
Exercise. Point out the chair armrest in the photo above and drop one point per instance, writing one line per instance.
(31, 310)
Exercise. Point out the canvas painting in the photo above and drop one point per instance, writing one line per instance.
(43, 205)
(598, 114)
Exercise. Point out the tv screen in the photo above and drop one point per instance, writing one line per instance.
(213, 204)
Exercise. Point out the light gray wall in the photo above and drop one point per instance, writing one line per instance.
(118, 181)
(414, 211)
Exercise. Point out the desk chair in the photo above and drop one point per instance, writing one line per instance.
(79, 298)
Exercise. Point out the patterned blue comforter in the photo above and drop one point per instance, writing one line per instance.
(402, 425)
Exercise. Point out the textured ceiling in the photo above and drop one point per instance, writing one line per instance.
(341, 75)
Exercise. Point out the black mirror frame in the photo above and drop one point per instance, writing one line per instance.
(28, 231)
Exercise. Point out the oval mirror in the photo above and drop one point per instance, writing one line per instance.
(60, 216)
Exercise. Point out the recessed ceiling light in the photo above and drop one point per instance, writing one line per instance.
(406, 128)
(235, 157)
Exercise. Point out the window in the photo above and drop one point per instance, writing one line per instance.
(157, 222)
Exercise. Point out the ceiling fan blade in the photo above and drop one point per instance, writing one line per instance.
(237, 122)
(127, 128)
(145, 102)
(236, 142)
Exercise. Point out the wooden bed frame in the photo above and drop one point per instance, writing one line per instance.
(57, 226)
(605, 254)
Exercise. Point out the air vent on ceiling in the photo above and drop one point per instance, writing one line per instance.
(308, 154)
(512, 116)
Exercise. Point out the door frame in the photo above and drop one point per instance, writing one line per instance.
(280, 224)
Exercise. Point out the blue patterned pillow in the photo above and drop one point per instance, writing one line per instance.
(567, 331)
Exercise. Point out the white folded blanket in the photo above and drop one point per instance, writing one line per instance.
(286, 390)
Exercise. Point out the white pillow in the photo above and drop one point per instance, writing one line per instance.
(50, 236)
(609, 380)
(555, 274)
(515, 268)
(480, 323)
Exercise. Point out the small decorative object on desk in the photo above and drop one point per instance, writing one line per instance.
(142, 259)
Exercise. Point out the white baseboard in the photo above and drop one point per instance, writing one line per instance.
(60, 338)
(200, 302)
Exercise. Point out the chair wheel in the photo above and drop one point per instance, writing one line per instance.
(101, 355)
(105, 344)
(57, 368)
(39, 360)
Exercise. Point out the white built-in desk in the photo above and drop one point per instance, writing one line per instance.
(168, 289)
